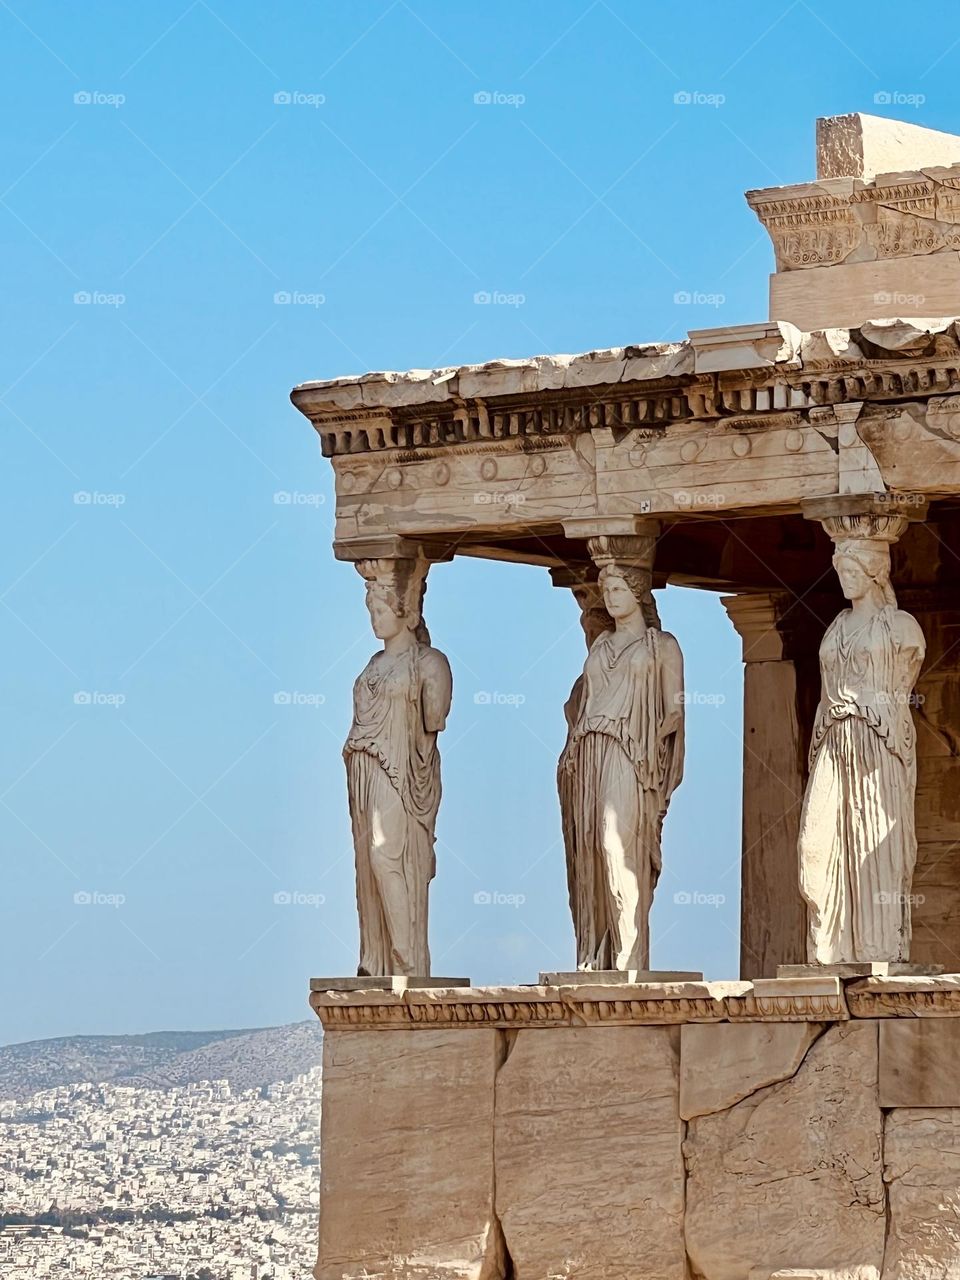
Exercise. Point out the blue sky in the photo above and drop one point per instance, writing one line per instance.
(156, 197)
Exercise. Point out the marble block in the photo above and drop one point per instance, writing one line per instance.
(922, 1169)
(791, 1176)
(589, 1168)
(722, 1063)
(919, 1062)
(406, 1156)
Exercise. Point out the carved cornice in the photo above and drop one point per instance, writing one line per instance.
(880, 362)
(932, 997)
(836, 220)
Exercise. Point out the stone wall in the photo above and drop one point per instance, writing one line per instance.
(691, 1131)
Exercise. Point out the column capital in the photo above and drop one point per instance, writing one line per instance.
(778, 626)
(573, 576)
(879, 517)
(611, 526)
(755, 618)
(394, 547)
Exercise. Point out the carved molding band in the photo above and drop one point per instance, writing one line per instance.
(639, 1005)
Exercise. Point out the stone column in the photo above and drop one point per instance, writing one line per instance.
(858, 844)
(400, 705)
(776, 689)
(624, 755)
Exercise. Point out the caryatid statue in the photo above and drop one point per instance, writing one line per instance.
(858, 843)
(622, 761)
(400, 704)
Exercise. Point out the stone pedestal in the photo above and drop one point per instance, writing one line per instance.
(618, 977)
(802, 1127)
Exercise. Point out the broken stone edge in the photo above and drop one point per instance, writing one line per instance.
(769, 344)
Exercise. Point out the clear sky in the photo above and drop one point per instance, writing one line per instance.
(168, 170)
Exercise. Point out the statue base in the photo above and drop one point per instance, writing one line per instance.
(615, 977)
(396, 983)
(864, 969)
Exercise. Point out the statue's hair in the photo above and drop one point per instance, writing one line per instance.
(873, 557)
(403, 584)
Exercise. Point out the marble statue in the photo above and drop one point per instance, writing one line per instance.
(858, 842)
(400, 703)
(621, 763)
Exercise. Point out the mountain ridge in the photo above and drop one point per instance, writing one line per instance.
(247, 1057)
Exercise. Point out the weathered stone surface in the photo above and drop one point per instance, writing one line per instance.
(407, 1156)
(922, 1159)
(861, 146)
(722, 1063)
(791, 1176)
(588, 1161)
(851, 293)
(920, 1062)
(815, 1273)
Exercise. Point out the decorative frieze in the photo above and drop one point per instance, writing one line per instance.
(837, 220)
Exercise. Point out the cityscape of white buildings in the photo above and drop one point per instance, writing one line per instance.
(121, 1183)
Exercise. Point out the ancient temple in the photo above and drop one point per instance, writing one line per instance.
(803, 1120)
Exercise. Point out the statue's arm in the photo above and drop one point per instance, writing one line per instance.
(671, 683)
(912, 647)
(436, 690)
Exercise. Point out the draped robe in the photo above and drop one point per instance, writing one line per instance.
(615, 778)
(858, 843)
(393, 780)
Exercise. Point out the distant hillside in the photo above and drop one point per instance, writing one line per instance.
(247, 1059)
(162, 1059)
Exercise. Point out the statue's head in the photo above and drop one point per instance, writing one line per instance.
(395, 590)
(624, 589)
(861, 555)
(863, 567)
